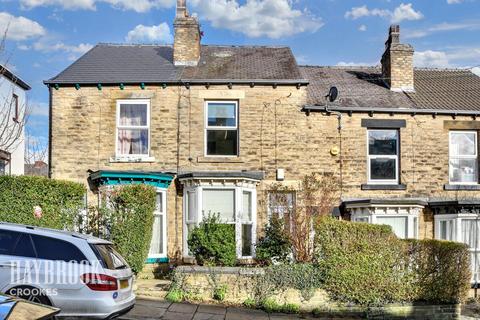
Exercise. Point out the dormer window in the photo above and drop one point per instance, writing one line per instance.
(133, 128)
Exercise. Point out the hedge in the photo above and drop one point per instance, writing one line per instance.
(130, 222)
(60, 201)
(368, 265)
(442, 270)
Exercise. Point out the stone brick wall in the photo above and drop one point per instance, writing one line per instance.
(273, 132)
(186, 48)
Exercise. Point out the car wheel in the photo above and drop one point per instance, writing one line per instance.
(29, 293)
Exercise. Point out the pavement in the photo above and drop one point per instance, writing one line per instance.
(154, 309)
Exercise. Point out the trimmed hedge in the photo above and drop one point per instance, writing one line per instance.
(60, 201)
(442, 271)
(130, 222)
(368, 265)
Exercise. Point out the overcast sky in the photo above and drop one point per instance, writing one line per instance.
(45, 36)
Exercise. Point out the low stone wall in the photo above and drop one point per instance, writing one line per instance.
(199, 284)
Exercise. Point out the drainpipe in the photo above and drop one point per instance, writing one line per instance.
(339, 128)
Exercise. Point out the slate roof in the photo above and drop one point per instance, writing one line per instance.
(109, 64)
(363, 87)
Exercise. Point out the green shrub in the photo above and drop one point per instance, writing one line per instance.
(291, 308)
(175, 296)
(130, 222)
(367, 265)
(270, 305)
(213, 243)
(250, 303)
(362, 263)
(442, 273)
(275, 246)
(220, 292)
(60, 201)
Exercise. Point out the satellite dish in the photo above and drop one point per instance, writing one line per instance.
(332, 94)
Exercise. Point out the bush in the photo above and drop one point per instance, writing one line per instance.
(275, 246)
(130, 222)
(60, 201)
(220, 292)
(361, 262)
(213, 243)
(442, 272)
(367, 265)
(175, 296)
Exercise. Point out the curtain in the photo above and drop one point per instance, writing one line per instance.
(156, 245)
(247, 206)
(133, 141)
(220, 202)
(133, 115)
(470, 233)
(398, 224)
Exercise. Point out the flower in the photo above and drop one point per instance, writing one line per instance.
(37, 212)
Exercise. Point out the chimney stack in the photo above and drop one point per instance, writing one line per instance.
(397, 63)
(186, 48)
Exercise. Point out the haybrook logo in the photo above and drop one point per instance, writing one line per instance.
(51, 273)
(29, 292)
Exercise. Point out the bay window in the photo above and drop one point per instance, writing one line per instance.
(464, 228)
(235, 205)
(133, 128)
(221, 128)
(383, 156)
(463, 157)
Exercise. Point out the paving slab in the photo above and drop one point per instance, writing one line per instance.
(212, 309)
(245, 314)
(177, 316)
(183, 308)
(145, 312)
(153, 303)
(208, 316)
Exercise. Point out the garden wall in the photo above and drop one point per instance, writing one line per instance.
(199, 283)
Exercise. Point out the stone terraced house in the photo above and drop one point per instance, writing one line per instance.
(214, 127)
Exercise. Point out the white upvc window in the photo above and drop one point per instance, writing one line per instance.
(404, 226)
(383, 156)
(133, 129)
(221, 128)
(158, 244)
(463, 149)
(463, 228)
(235, 205)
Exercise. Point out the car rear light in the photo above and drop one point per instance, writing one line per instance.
(99, 282)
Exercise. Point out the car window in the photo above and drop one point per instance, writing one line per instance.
(7, 241)
(24, 247)
(54, 249)
(109, 257)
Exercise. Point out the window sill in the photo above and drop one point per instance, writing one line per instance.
(220, 160)
(132, 160)
(456, 187)
(384, 187)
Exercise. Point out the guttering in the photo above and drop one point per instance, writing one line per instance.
(350, 110)
(298, 82)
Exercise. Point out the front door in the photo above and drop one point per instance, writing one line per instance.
(158, 245)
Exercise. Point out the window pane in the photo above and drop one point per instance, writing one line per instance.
(133, 115)
(363, 219)
(470, 233)
(3, 166)
(24, 247)
(463, 170)
(246, 240)
(383, 169)
(475, 265)
(222, 114)
(133, 141)
(156, 245)
(191, 214)
(109, 257)
(443, 230)
(281, 203)
(398, 224)
(222, 142)
(7, 241)
(53, 249)
(247, 206)
(220, 202)
(159, 206)
(463, 144)
(382, 142)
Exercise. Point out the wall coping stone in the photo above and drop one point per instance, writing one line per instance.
(220, 270)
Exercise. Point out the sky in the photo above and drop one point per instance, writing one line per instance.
(46, 36)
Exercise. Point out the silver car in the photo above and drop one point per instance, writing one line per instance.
(81, 275)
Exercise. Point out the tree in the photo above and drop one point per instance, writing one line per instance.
(13, 113)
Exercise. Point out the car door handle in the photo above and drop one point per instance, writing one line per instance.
(6, 265)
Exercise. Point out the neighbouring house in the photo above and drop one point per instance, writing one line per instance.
(39, 168)
(215, 127)
(12, 122)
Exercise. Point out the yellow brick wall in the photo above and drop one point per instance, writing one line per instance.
(274, 133)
